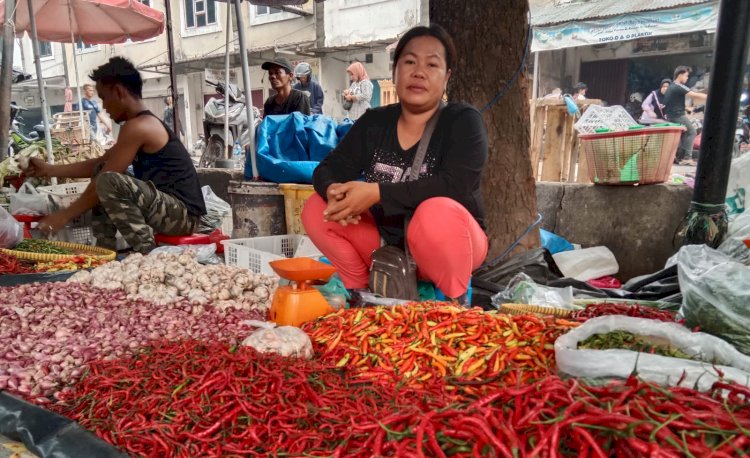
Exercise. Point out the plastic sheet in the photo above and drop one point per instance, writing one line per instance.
(659, 369)
(42, 277)
(284, 340)
(47, 434)
(291, 146)
(216, 210)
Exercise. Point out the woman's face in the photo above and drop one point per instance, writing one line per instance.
(664, 88)
(422, 72)
(350, 75)
(278, 77)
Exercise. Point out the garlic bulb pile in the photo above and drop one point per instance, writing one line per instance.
(165, 278)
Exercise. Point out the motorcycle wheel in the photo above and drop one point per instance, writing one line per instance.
(214, 150)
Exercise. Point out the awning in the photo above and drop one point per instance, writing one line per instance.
(625, 27)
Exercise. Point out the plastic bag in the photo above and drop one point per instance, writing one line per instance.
(716, 294)
(659, 369)
(588, 263)
(204, 254)
(11, 231)
(553, 242)
(522, 290)
(734, 245)
(284, 340)
(216, 210)
(28, 201)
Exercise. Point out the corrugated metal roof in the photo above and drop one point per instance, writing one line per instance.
(545, 12)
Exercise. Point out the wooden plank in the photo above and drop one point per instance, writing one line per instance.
(583, 164)
(558, 102)
(553, 140)
(537, 138)
(566, 149)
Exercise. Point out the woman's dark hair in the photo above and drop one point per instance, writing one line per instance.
(119, 71)
(435, 31)
(681, 69)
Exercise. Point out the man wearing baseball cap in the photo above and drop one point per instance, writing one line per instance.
(286, 99)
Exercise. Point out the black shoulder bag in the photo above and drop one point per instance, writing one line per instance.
(393, 273)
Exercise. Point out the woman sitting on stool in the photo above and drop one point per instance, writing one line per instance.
(347, 217)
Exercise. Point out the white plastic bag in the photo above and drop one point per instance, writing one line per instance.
(715, 294)
(659, 369)
(737, 186)
(522, 289)
(216, 210)
(734, 245)
(28, 201)
(587, 264)
(284, 340)
(11, 231)
(204, 254)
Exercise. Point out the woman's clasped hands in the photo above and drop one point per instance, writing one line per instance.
(348, 201)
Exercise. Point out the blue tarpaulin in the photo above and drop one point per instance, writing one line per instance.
(291, 146)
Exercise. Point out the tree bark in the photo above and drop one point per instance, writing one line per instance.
(490, 39)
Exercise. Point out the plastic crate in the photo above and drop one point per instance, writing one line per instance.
(62, 195)
(255, 253)
(295, 196)
(639, 156)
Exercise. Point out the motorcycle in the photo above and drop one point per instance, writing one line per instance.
(19, 140)
(215, 111)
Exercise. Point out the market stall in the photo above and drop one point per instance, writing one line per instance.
(160, 355)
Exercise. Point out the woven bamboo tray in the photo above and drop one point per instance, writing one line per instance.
(80, 250)
(521, 309)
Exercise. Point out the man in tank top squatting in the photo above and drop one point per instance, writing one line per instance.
(164, 196)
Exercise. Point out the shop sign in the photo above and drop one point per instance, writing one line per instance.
(631, 26)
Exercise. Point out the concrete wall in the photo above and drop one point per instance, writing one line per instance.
(379, 20)
(636, 223)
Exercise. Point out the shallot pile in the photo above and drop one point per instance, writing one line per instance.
(51, 330)
(165, 278)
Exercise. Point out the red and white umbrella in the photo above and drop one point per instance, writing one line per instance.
(89, 21)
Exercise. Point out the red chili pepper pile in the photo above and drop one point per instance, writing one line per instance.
(207, 399)
(203, 399)
(634, 310)
(12, 265)
(420, 343)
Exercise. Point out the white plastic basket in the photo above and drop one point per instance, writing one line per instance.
(255, 253)
(62, 195)
(614, 118)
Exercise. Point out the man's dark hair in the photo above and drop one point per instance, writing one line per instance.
(681, 69)
(119, 70)
(435, 31)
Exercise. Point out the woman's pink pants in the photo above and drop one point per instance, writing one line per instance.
(444, 239)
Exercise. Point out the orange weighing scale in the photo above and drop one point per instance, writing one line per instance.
(299, 302)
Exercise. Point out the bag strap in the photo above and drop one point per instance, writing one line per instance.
(416, 165)
(424, 142)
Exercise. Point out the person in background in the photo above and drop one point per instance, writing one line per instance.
(286, 100)
(95, 113)
(674, 101)
(306, 84)
(579, 91)
(360, 90)
(168, 116)
(163, 196)
(363, 187)
(653, 106)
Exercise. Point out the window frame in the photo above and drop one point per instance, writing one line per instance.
(267, 18)
(51, 55)
(87, 48)
(210, 27)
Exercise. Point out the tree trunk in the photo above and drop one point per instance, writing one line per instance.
(490, 38)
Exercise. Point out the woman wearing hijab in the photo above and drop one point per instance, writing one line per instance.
(360, 91)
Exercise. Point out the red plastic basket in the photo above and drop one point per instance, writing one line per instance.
(639, 156)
